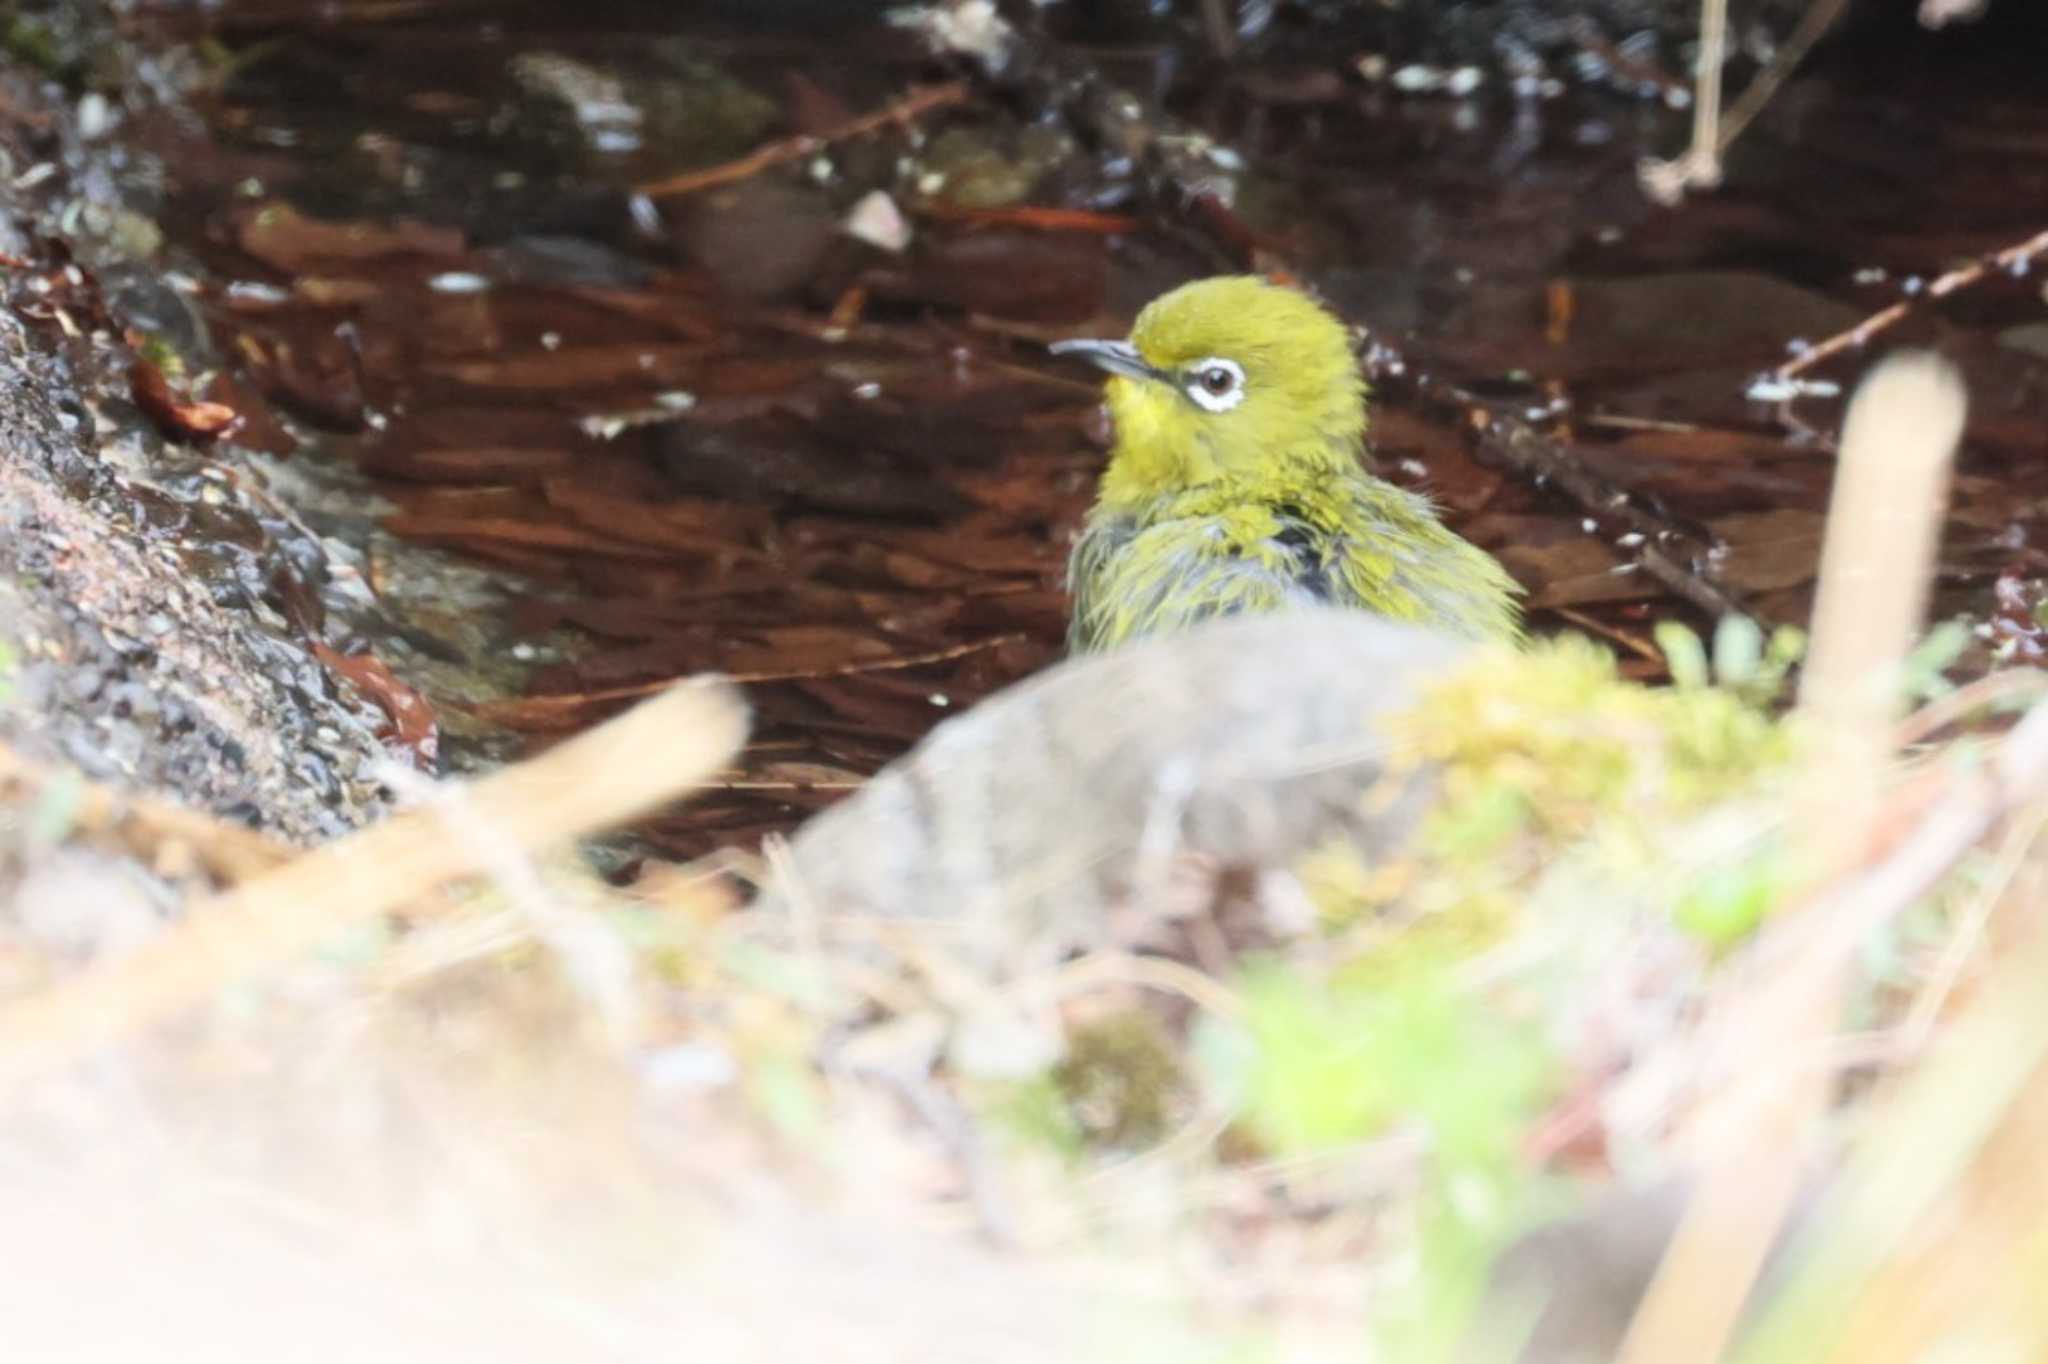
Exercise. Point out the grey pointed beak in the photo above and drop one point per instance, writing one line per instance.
(1118, 357)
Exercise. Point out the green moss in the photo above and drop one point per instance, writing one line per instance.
(983, 167)
(700, 112)
(1341, 1059)
(1120, 1086)
(159, 352)
(1548, 751)
(30, 40)
(1120, 1080)
(1348, 1058)
(1034, 1113)
(1561, 789)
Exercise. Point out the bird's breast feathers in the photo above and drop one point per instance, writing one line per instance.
(1131, 580)
(1133, 576)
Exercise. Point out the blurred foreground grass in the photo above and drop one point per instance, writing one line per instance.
(1415, 1028)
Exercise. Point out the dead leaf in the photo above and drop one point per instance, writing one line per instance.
(259, 428)
(579, 367)
(178, 416)
(1769, 550)
(415, 731)
(281, 237)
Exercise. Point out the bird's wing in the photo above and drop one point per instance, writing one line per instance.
(1402, 562)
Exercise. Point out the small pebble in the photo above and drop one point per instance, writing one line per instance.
(459, 282)
(877, 221)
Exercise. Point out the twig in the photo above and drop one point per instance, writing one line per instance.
(1621, 421)
(1700, 165)
(1818, 19)
(630, 764)
(2014, 257)
(1550, 463)
(571, 702)
(1641, 648)
(1220, 28)
(1037, 217)
(919, 101)
(1706, 112)
(1107, 967)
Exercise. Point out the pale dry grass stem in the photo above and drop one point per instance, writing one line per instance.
(1877, 560)
(637, 760)
(1700, 165)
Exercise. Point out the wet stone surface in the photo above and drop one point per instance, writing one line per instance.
(147, 591)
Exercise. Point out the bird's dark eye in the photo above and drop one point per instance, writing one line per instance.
(1214, 383)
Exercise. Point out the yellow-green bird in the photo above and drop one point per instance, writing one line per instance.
(1236, 482)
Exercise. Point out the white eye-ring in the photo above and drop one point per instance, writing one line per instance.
(1216, 384)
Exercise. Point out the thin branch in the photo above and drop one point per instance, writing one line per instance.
(1220, 27)
(2016, 257)
(1593, 625)
(1818, 19)
(1109, 967)
(1700, 166)
(1037, 217)
(568, 703)
(1659, 544)
(921, 100)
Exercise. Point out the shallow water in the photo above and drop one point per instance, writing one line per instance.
(712, 430)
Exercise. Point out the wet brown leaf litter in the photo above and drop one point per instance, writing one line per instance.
(425, 387)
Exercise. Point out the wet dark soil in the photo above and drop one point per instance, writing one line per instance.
(793, 420)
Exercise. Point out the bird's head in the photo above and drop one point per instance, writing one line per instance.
(1227, 379)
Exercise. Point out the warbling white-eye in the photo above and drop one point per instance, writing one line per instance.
(1235, 483)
